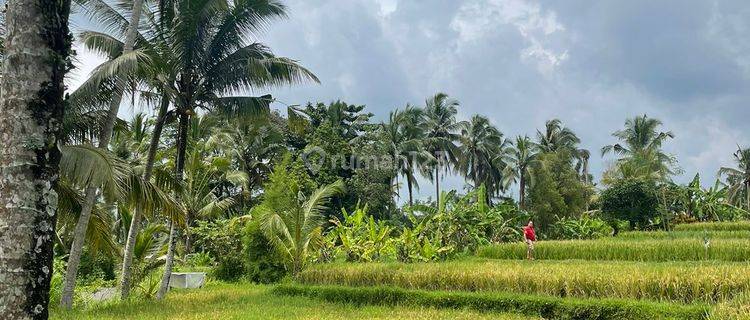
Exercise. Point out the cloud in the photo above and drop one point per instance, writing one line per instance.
(478, 19)
(521, 62)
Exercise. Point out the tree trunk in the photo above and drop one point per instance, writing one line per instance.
(747, 195)
(522, 191)
(409, 186)
(179, 168)
(437, 184)
(31, 110)
(188, 239)
(164, 287)
(79, 235)
(127, 259)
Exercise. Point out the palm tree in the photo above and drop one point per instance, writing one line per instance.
(440, 135)
(641, 153)
(556, 137)
(521, 157)
(482, 148)
(404, 141)
(296, 230)
(738, 179)
(74, 256)
(210, 57)
(31, 111)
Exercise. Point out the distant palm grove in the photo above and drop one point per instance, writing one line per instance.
(209, 178)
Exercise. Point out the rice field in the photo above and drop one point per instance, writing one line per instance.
(685, 249)
(714, 226)
(244, 301)
(684, 282)
(700, 266)
(674, 235)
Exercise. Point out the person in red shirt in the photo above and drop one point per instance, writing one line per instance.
(529, 237)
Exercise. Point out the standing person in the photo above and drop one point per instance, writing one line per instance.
(529, 237)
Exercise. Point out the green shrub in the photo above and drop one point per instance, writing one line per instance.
(635, 250)
(95, 267)
(714, 226)
(263, 263)
(542, 306)
(685, 282)
(582, 228)
(632, 200)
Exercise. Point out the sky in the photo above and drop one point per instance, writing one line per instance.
(591, 64)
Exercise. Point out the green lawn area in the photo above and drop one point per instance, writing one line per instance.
(248, 301)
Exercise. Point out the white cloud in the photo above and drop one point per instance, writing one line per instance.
(479, 18)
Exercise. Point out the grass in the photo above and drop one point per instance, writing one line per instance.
(714, 226)
(673, 235)
(546, 307)
(246, 301)
(685, 282)
(635, 250)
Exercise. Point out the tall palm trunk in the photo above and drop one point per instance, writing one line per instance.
(79, 235)
(522, 190)
(127, 259)
(31, 110)
(179, 168)
(409, 186)
(437, 183)
(747, 194)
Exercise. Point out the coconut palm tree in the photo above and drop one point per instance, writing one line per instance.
(404, 141)
(640, 151)
(296, 229)
(31, 111)
(522, 156)
(210, 57)
(738, 179)
(441, 130)
(556, 137)
(482, 148)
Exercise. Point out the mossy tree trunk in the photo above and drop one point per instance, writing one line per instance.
(31, 111)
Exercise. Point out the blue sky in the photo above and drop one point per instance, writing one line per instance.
(591, 64)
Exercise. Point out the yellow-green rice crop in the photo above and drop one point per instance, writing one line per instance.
(671, 235)
(714, 226)
(634, 250)
(685, 282)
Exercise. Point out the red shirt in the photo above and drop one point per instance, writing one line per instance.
(529, 233)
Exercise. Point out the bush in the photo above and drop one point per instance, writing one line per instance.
(540, 306)
(673, 282)
(239, 249)
(632, 200)
(263, 265)
(95, 267)
(582, 228)
(636, 250)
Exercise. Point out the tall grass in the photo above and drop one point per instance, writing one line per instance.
(676, 282)
(532, 305)
(714, 226)
(635, 250)
(672, 235)
(250, 302)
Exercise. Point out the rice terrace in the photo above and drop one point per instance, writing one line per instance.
(374, 159)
